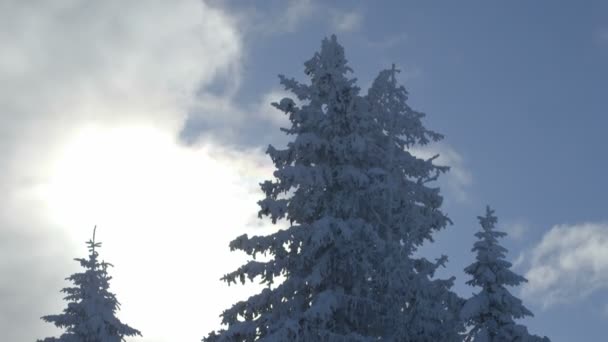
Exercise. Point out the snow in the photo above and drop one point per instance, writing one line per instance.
(359, 207)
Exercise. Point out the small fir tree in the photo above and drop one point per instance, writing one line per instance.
(90, 314)
(491, 313)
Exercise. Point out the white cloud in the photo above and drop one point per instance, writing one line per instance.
(293, 15)
(347, 21)
(515, 229)
(288, 19)
(570, 263)
(458, 177)
(93, 96)
(296, 13)
(222, 119)
(268, 112)
(521, 257)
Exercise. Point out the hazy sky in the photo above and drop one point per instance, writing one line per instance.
(149, 120)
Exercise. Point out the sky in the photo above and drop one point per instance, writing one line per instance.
(150, 120)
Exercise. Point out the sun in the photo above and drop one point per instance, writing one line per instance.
(165, 215)
(114, 175)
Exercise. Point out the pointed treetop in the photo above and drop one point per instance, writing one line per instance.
(327, 70)
(388, 100)
(489, 234)
(492, 312)
(489, 221)
(328, 63)
(92, 244)
(91, 311)
(394, 71)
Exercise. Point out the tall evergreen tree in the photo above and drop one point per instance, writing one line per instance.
(325, 255)
(410, 209)
(491, 313)
(90, 315)
(347, 267)
(408, 213)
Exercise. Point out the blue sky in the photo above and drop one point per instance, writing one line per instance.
(151, 121)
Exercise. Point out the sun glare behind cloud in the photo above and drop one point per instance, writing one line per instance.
(165, 214)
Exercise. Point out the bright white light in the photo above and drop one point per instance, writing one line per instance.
(165, 214)
(87, 137)
(123, 175)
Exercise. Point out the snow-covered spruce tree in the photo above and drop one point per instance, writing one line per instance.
(90, 314)
(491, 313)
(339, 255)
(408, 214)
(328, 252)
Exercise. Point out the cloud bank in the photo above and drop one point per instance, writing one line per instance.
(93, 96)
